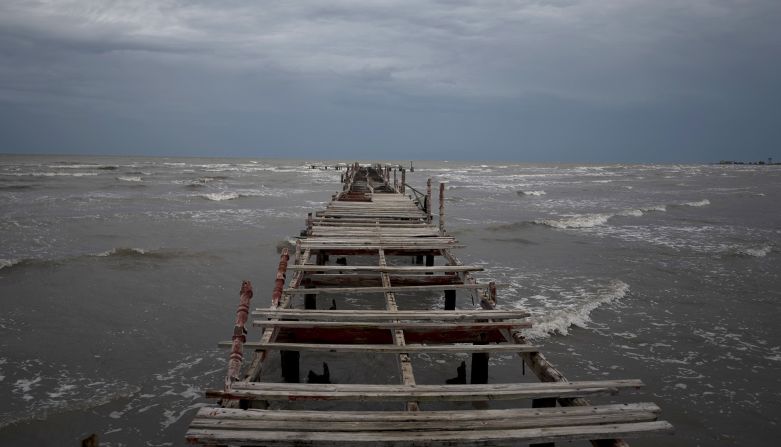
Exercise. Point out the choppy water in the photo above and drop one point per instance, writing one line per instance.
(118, 276)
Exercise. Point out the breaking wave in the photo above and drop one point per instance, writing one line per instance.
(703, 202)
(129, 178)
(124, 252)
(579, 314)
(8, 263)
(220, 196)
(756, 252)
(576, 221)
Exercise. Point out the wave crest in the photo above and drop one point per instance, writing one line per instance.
(560, 321)
(220, 196)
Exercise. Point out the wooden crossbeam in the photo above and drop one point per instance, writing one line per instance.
(397, 289)
(387, 349)
(465, 438)
(382, 315)
(388, 269)
(476, 327)
(484, 392)
(403, 420)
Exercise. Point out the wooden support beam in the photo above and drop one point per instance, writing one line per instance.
(399, 338)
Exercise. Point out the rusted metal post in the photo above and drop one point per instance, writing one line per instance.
(442, 209)
(428, 200)
(403, 181)
(239, 335)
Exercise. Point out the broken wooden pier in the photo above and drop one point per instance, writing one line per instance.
(375, 246)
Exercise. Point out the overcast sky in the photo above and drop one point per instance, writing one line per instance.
(556, 80)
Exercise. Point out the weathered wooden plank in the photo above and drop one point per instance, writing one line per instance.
(483, 392)
(466, 438)
(302, 416)
(375, 280)
(476, 327)
(385, 289)
(391, 349)
(399, 338)
(388, 269)
(385, 336)
(477, 422)
(358, 315)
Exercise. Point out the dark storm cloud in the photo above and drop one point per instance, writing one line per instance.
(527, 80)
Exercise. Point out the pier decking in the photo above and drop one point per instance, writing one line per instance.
(373, 218)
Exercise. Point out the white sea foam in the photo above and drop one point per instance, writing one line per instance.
(532, 193)
(220, 196)
(129, 178)
(757, 252)
(51, 174)
(703, 202)
(4, 263)
(592, 220)
(576, 221)
(122, 251)
(24, 386)
(578, 314)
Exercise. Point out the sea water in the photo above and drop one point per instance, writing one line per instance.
(118, 276)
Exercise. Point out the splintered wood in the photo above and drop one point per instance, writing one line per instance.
(372, 218)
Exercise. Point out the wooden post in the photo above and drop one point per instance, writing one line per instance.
(290, 366)
(403, 181)
(429, 263)
(442, 209)
(395, 181)
(480, 364)
(428, 200)
(240, 333)
(279, 283)
(450, 300)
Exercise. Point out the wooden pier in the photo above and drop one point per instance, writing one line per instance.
(378, 238)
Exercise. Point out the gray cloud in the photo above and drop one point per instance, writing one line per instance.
(558, 80)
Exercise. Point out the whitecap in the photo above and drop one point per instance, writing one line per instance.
(5, 263)
(578, 315)
(703, 202)
(129, 178)
(220, 196)
(122, 252)
(760, 252)
(576, 221)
